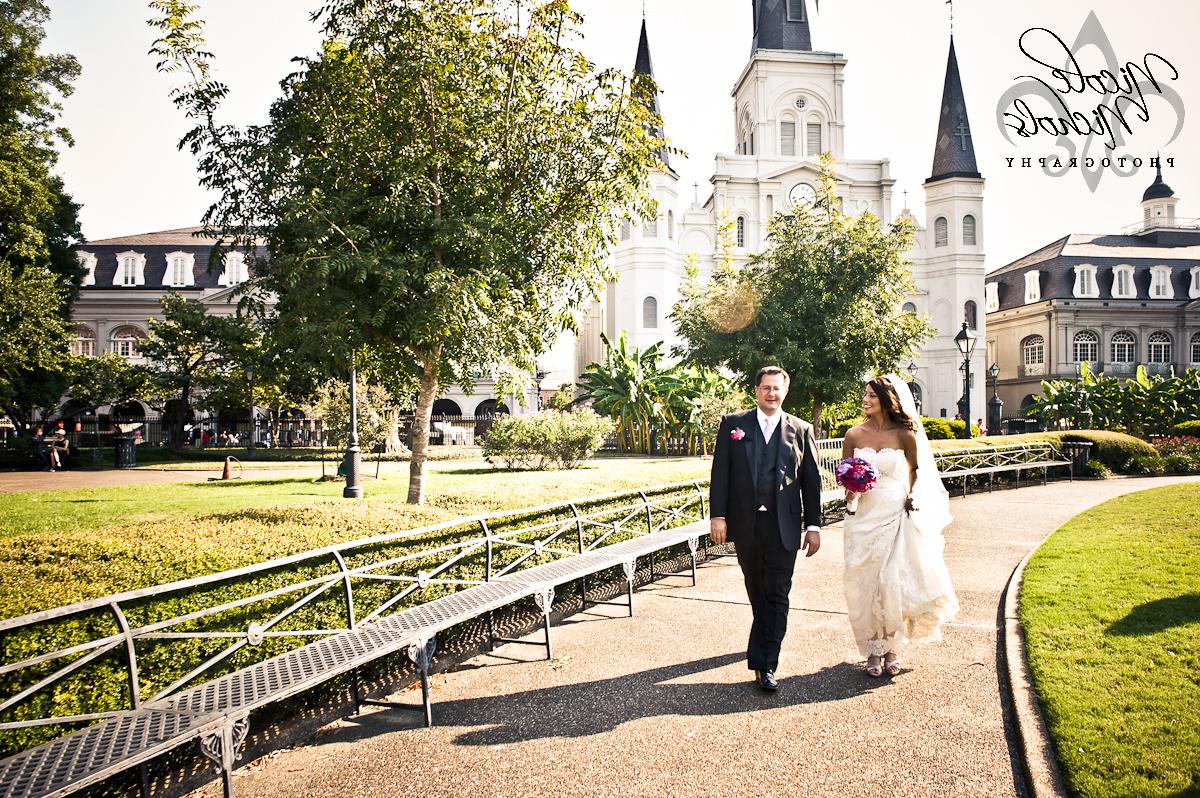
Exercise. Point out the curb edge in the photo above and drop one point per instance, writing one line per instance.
(1042, 773)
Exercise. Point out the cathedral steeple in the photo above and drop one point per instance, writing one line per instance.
(781, 25)
(954, 152)
(643, 66)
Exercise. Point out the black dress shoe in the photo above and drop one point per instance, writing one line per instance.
(766, 680)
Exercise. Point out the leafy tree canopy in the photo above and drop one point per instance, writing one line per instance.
(39, 274)
(823, 301)
(439, 185)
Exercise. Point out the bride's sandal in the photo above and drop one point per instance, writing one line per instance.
(874, 670)
(891, 666)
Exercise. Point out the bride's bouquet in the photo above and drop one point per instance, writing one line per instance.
(858, 476)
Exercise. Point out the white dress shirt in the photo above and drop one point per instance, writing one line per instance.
(768, 425)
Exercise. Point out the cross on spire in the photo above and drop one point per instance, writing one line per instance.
(948, 2)
(962, 132)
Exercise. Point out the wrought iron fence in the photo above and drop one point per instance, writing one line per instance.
(100, 658)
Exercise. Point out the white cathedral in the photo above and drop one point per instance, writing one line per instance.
(788, 109)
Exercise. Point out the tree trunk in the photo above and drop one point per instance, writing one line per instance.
(818, 409)
(420, 428)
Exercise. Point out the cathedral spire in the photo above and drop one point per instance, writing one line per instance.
(954, 152)
(781, 25)
(643, 66)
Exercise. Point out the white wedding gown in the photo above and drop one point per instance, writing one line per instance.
(897, 587)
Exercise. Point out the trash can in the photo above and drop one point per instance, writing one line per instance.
(126, 454)
(1079, 452)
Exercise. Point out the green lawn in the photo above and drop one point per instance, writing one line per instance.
(1111, 611)
(65, 546)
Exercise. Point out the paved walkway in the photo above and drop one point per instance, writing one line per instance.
(660, 704)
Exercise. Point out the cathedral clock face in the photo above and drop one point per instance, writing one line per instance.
(802, 194)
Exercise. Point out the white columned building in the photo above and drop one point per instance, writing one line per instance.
(788, 108)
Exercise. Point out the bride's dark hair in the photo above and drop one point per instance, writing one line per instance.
(889, 402)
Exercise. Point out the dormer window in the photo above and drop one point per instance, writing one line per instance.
(1033, 286)
(1194, 285)
(88, 261)
(1085, 282)
(235, 269)
(991, 298)
(131, 269)
(1160, 283)
(179, 272)
(795, 10)
(1123, 287)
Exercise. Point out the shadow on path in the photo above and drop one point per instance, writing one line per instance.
(581, 710)
(1156, 616)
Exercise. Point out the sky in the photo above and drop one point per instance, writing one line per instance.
(127, 172)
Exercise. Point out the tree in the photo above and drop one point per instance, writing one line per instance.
(108, 380)
(39, 274)
(643, 396)
(438, 188)
(823, 302)
(186, 349)
(378, 416)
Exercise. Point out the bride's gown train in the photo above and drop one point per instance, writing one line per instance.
(897, 587)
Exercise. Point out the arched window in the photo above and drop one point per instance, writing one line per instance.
(941, 232)
(1033, 350)
(625, 231)
(446, 407)
(650, 313)
(1159, 344)
(83, 340)
(1124, 347)
(812, 139)
(126, 342)
(971, 314)
(1086, 347)
(969, 230)
(787, 137)
(650, 227)
(1195, 347)
(908, 307)
(741, 231)
(671, 225)
(490, 407)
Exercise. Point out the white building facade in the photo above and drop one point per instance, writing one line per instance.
(788, 109)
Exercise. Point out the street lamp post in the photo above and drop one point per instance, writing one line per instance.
(353, 460)
(965, 341)
(912, 373)
(995, 404)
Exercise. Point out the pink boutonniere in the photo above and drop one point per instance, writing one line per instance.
(737, 434)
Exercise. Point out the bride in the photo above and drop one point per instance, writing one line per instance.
(897, 586)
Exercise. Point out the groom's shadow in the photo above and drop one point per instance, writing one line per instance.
(580, 710)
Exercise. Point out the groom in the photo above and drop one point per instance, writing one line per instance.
(765, 488)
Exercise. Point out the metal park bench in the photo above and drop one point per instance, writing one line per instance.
(351, 596)
(1001, 458)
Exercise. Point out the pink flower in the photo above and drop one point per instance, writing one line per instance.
(737, 434)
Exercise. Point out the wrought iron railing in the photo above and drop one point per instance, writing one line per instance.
(104, 657)
(100, 658)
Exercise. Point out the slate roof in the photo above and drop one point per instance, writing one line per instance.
(642, 65)
(776, 29)
(954, 150)
(155, 246)
(1179, 249)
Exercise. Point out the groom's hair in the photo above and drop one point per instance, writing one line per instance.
(889, 402)
(772, 370)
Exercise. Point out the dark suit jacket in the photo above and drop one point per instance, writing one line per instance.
(797, 480)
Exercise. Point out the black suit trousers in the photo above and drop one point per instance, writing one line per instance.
(767, 567)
